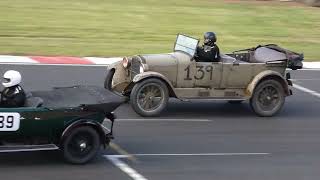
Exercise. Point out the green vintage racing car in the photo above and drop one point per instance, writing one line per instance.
(75, 120)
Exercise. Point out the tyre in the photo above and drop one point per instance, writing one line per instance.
(81, 145)
(149, 97)
(268, 98)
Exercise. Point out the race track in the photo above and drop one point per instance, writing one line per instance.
(191, 140)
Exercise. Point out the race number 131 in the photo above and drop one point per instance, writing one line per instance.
(9, 121)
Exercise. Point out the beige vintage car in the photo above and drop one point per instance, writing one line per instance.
(255, 74)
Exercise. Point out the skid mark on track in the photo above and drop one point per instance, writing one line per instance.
(121, 151)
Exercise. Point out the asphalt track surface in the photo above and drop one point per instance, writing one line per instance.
(191, 140)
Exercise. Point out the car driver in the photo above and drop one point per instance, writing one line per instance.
(12, 95)
(209, 51)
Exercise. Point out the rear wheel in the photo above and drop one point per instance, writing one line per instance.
(268, 98)
(81, 145)
(149, 97)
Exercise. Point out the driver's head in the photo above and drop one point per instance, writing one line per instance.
(11, 78)
(209, 38)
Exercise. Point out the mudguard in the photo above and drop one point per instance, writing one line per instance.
(85, 122)
(108, 79)
(268, 74)
(152, 74)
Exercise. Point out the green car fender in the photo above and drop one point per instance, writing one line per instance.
(85, 122)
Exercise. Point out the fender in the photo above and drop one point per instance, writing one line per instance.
(84, 122)
(108, 79)
(266, 75)
(152, 74)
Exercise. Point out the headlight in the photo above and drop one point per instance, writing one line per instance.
(141, 69)
(125, 62)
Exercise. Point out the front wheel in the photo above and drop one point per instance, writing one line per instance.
(149, 97)
(268, 98)
(81, 145)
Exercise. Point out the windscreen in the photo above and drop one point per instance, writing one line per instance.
(186, 44)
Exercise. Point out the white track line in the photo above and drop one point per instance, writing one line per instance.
(311, 65)
(125, 168)
(103, 61)
(192, 154)
(115, 159)
(204, 154)
(164, 120)
(16, 59)
(309, 70)
(314, 93)
(305, 79)
(38, 64)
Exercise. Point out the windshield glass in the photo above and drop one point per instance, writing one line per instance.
(186, 44)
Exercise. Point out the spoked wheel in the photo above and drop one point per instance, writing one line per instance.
(149, 97)
(268, 98)
(81, 145)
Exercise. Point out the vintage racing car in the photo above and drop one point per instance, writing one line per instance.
(75, 120)
(256, 74)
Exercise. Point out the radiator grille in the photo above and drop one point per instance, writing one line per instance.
(135, 66)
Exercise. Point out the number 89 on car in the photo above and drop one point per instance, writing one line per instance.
(9, 121)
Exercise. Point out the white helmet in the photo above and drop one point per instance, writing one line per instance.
(11, 78)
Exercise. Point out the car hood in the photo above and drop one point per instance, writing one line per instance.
(159, 59)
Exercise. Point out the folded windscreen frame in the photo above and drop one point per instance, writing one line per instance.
(186, 44)
(77, 96)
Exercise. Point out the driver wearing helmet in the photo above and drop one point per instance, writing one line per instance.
(12, 95)
(209, 51)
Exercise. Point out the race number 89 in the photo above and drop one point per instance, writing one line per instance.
(9, 121)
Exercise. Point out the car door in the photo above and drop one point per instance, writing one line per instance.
(186, 71)
(236, 75)
(23, 121)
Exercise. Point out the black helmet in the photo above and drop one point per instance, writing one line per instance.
(209, 38)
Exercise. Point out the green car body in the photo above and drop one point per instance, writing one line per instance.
(78, 129)
(49, 123)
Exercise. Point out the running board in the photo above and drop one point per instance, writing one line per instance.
(212, 99)
(26, 148)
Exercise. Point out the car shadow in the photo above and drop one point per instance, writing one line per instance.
(207, 109)
(40, 158)
(204, 109)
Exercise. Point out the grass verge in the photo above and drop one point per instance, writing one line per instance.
(127, 27)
